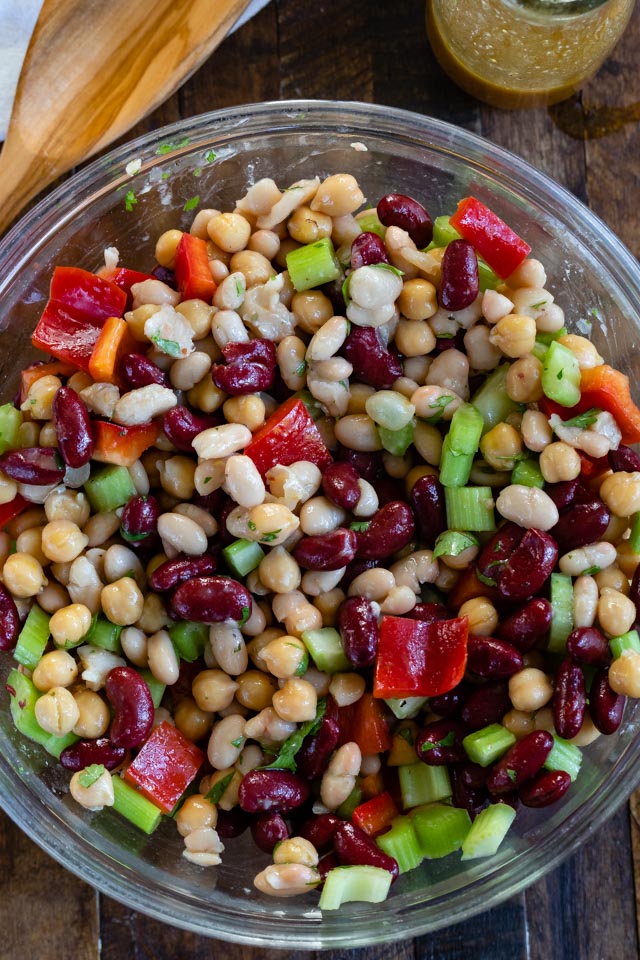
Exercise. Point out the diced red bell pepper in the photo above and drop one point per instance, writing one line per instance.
(10, 510)
(165, 766)
(591, 467)
(496, 242)
(79, 303)
(288, 435)
(364, 723)
(417, 659)
(125, 278)
(122, 445)
(608, 389)
(35, 371)
(375, 815)
(192, 269)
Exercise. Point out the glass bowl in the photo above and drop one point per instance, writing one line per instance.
(215, 156)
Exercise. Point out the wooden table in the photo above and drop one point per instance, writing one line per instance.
(586, 909)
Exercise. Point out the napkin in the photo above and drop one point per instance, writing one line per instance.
(17, 21)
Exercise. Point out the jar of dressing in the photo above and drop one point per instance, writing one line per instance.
(524, 53)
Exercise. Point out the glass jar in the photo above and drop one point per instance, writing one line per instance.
(524, 53)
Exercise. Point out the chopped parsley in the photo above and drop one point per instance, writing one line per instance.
(217, 790)
(210, 156)
(271, 536)
(90, 775)
(360, 526)
(191, 203)
(488, 582)
(286, 758)
(583, 420)
(237, 743)
(130, 200)
(170, 347)
(165, 148)
(197, 171)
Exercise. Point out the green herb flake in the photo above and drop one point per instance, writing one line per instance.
(407, 735)
(251, 525)
(538, 305)
(132, 537)
(591, 571)
(210, 156)
(90, 775)
(191, 203)
(439, 405)
(560, 374)
(488, 582)
(237, 743)
(130, 200)
(360, 526)
(286, 757)
(245, 615)
(389, 267)
(300, 369)
(170, 347)
(451, 543)
(511, 774)
(217, 790)
(165, 148)
(583, 420)
(271, 536)
(165, 175)
(197, 171)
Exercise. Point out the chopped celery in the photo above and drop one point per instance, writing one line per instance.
(548, 338)
(440, 829)
(406, 707)
(561, 375)
(369, 222)
(312, 265)
(488, 830)
(420, 783)
(360, 882)
(460, 446)
(470, 508)
(492, 399)
(634, 536)
(10, 420)
(189, 639)
(133, 806)
(443, 232)
(539, 351)
(401, 843)
(564, 756)
(527, 473)
(561, 594)
(24, 694)
(109, 487)
(397, 442)
(488, 279)
(314, 409)
(103, 634)
(33, 638)
(488, 744)
(346, 808)
(626, 641)
(243, 556)
(325, 647)
(156, 687)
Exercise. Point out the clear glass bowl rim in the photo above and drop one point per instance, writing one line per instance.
(68, 201)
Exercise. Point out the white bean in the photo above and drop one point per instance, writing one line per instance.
(528, 506)
(226, 742)
(229, 648)
(243, 482)
(593, 555)
(217, 442)
(162, 658)
(141, 405)
(182, 533)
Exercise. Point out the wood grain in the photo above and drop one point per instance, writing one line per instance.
(586, 909)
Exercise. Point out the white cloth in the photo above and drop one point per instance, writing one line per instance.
(17, 21)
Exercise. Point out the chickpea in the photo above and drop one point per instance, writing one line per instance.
(55, 669)
(229, 231)
(624, 674)
(63, 540)
(296, 850)
(296, 700)
(195, 813)
(70, 624)
(122, 601)
(285, 657)
(57, 711)
(191, 720)
(519, 723)
(213, 690)
(166, 246)
(559, 461)
(255, 689)
(514, 334)
(616, 612)
(530, 689)
(23, 575)
(94, 717)
(96, 795)
(483, 616)
(501, 446)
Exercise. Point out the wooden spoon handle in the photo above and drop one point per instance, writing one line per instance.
(92, 70)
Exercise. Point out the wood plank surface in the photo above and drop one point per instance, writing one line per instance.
(585, 909)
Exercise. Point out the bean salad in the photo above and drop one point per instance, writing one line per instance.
(323, 526)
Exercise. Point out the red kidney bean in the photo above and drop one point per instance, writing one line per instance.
(450, 704)
(355, 848)
(499, 548)
(459, 285)
(389, 530)
(354, 569)
(529, 566)
(399, 210)
(138, 371)
(139, 517)
(368, 248)
(312, 759)
(340, 484)
(429, 612)
(582, 523)
(211, 600)
(358, 626)
(368, 465)
(167, 275)
(520, 763)
(272, 791)
(9, 620)
(249, 368)
(267, 830)
(40, 466)
(564, 493)
(489, 657)
(605, 706)
(440, 743)
(388, 489)
(182, 425)
(569, 699)
(427, 500)
(486, 704)
(524, 628)
(173, 572)
(589, 645)
(320, 830)
(372, 363)
(85, 752)
(73, 427)
(624, 459)
(133, 709)
(326, 864)
(327, 551)
(545, 789)
(467, 797)
(473, 775)
(232, 823)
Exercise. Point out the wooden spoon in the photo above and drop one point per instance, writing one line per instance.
(92, 70)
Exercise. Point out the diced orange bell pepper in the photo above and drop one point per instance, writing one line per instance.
(375, 815)
(364, 723)
(113, 342)
(122, 445)
(28, 376)
(605, 388)
(192, 270)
